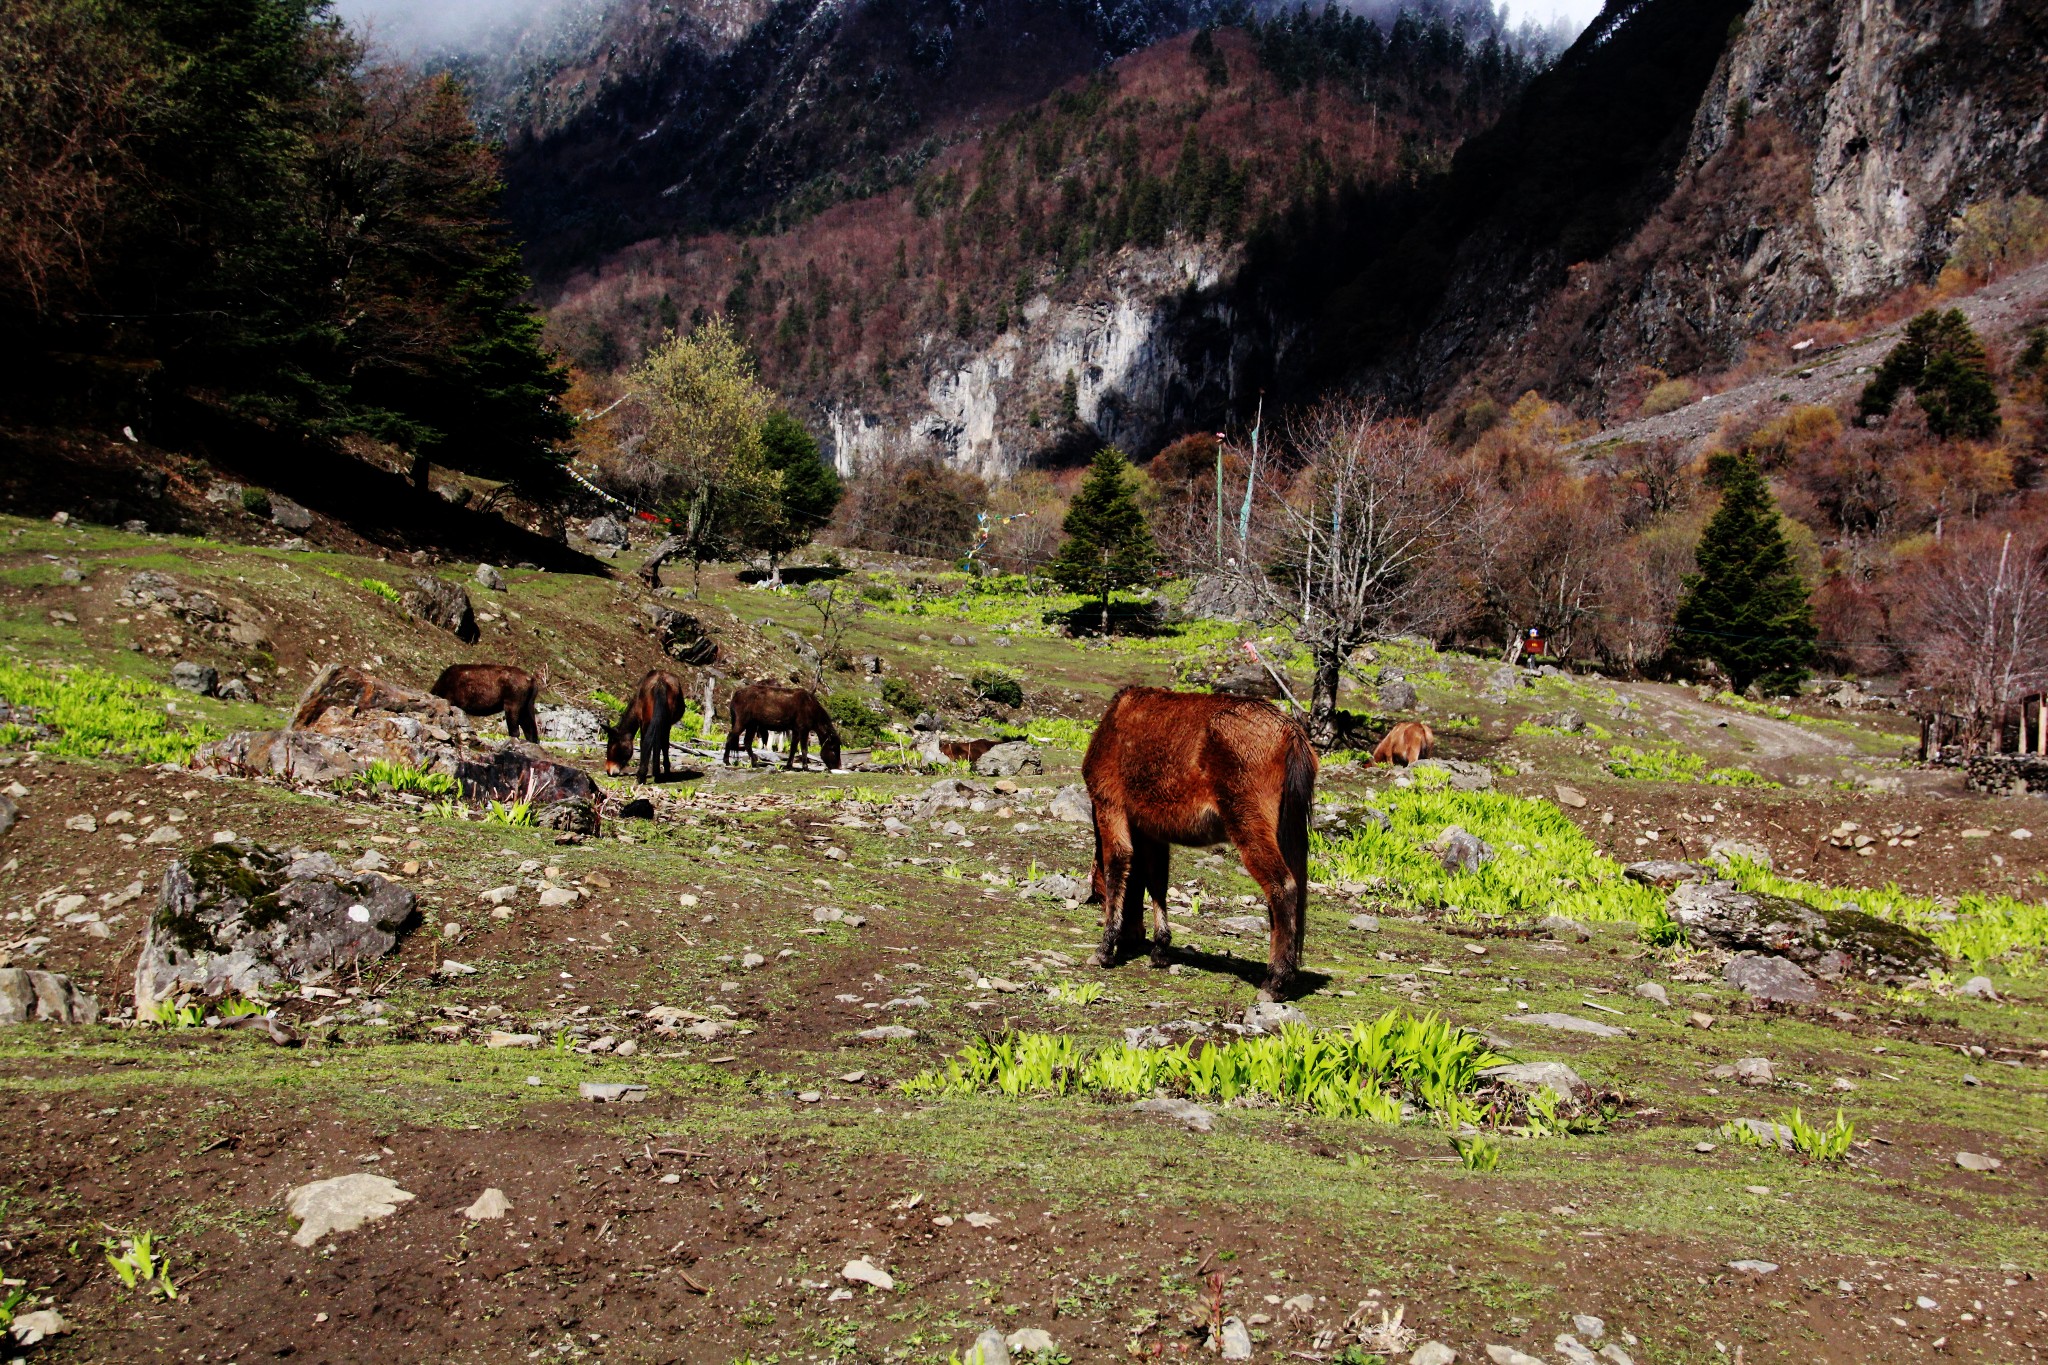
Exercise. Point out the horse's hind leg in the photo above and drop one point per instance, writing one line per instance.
(1263, 858)
(1113, 853)
(1152, 861)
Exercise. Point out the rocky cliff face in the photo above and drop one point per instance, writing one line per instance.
(1832, 147)
(1153, 348)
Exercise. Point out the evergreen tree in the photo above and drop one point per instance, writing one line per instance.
(1108, 545)
(1941, 360)
(807, 490)
(1745, 608)
(1211, 62)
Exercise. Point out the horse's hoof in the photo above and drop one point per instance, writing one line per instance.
(1098, 958)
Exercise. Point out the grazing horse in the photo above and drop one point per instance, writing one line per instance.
(487, 689)
(1406, 743)
(762, 708)
(1195, 768)
(965, 750)
(656, 706)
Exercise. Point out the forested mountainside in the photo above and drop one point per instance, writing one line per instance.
(1068, 272)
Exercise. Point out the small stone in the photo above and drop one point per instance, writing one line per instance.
(1528, 1077)
(1574, 1351)
(1978, 988)
(750, 961)
(808, 1096)
(1433, 1353)
(864, 1271)
(886, 1033)
(491, 1204)
(1755, 1071)
(979, 1220)
(500, 1038)
(558, 895)
(341, 1204)
(1770, 978)
(450, 967)
(1650, 990)
(1564, 929)
(1508, 1355)
(488, 576)
(1237, 1340)
(1185, 1112)
(1588, 1326)
(1570, 1023)
(1365, 924)
(989, 1349)
(1571, 796)
(30, 1328)
(1269, 1015)
(1698, 1020)
(1031, 1341)
(84, 824)
(612, 1092)
(1753, 1267)
(1977, 1161)
(628, 1048)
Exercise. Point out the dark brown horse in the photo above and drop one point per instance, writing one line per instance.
(1409, 742)
(965, 750)
(656, 706)
(760, 709)
(1193, 768)
(488, 689)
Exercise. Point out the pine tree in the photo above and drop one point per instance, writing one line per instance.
(1108, 545)
(807, 490)
(1941, 360)
(1745, 608)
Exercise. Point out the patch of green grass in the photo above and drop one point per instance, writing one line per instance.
(96, 713)
(1739, 777)
(1544, 864)
(1658, 763)
(1365, 1071)
(401, 777)
(1830, 1142)
(1477, 1152)
(1055, 732)
(373, 585)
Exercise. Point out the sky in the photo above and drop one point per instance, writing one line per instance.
(1578, 13)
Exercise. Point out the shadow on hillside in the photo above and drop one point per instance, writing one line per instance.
(1248, 970)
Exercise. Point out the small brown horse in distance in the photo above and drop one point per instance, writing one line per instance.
(1197, 768)
(487, 689)
(965, 750)
(1408, 742)
(656, 706)
(764, 708)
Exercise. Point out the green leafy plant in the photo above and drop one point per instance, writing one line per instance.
(1076, 993)
(400, 776)
(515, 813)
(1366, 1071)
(998, 686)
(1477, 1152)
(1660, 763)
(171, 1014)
(10, 1304)
(139, 1265)
(236, 1007)
(92, 713)
(256, 502)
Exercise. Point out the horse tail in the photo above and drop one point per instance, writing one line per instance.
(1297, 803)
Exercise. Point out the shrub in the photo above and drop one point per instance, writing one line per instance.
(256, 502)
(902, 696)
(1669, 396)
(856, 717)
(997, 686)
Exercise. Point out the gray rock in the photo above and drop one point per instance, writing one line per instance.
(1570, 796)
(1222, 597)
(1574, 1351)
(1528, 1077)
(1506, 680)
(1664, 872)
(611, 1092)
(1650, 990)
(1776, 979)
(1459, 851)
(1508, 1355)
(1569, 1023)
(1433, 1353)
(519, 771)
(1365, 924)
(1244, 924)
(605, 531)
(1250, 679)
(948, 793)
(1977, 987)
(1977, 1161)
(1187, 1113)
(989, 1349)
(886, 1033)
(1753, 1267)
(488, 576)
(1266, 1016)
(1028, 1341)
(1072, 804)
(441, 603)
(1465, 777)
(928, 720)
(569, 724)
(1564, 929)
(341, 1204)
(288, 514)
(1398, 696)
(1569, 721)
(227, 494)
(683, 638)
(1755, 1071)
(199, 679)
(1588, 1326)
(1056, 886)
(244, 918)
(573, 815)
(1011, 760)
(1237, 1340)
(43, 997)
(9, 813)
(1826, 942)
(1725, 849)
(235, 689)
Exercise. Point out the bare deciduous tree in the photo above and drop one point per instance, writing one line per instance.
(1979, 627)
(1352, 547)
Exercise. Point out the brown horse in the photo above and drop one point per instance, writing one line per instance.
(656, 706)
(487, 689)
(1406, 743)
(763, 708)
(965, 750)
(1193, 768)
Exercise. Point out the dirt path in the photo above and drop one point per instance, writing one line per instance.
(1998, 311)
(1774, 739)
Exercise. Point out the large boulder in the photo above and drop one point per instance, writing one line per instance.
(441, 603)
(201, 680)
(43, 997)
(1011, 759)
(1827, 943)
(230, 621)
(1073, 805)
(240, 917)
(519, 771)
(606, 531)
(1249, 679)
(1459, 850)
(682, 636)
(346, 719)
(288, 514)
(1398, 695)
(1762, 976)
(948, 793)
(569, 724)
(341, 696)
(1222, 597)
